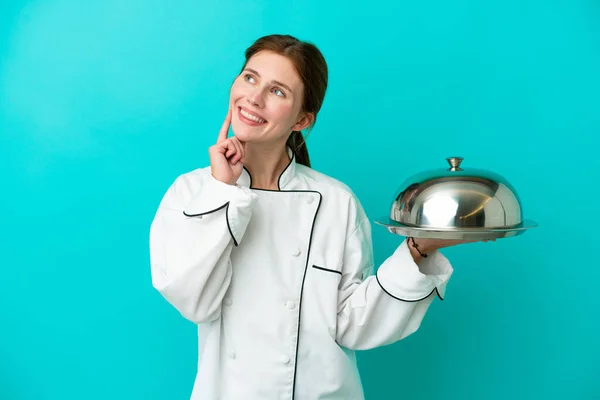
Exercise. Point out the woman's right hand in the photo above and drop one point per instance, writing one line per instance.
(227, 155)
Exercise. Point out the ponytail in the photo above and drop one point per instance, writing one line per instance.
(298, 145)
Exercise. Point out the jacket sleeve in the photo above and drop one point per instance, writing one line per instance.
(376, 309)
(191, 238)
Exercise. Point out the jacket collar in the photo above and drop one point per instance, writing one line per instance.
(286, 176)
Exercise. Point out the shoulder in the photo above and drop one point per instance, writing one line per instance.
(187, 184)
(323, 182)
(331, 189)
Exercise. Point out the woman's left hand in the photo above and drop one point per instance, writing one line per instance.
(429, 245)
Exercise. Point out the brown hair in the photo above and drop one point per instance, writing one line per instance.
(312, 68)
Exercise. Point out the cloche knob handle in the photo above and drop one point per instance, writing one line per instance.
(454, 163)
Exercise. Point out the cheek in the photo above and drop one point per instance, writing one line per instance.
(236, 91)
(283, 111)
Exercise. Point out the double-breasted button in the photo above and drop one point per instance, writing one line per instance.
(310, 200)
(232, 355)
(296, 252)
(290, 305)
(285, 359)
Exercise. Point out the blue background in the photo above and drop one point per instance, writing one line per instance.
(104, 103)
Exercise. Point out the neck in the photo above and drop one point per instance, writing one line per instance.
(266, 164)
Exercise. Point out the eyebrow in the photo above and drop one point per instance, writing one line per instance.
(273, 81)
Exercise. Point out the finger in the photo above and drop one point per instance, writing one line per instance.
(239, 151)
(225, 127)
(243, 146)
(231, 149)
(242, 150)
(222, 147)
(229, 152)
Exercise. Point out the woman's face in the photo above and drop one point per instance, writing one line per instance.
(266, 100)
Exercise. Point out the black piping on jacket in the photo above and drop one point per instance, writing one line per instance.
(226, 206)
(327, 269)
(307, 258)
(407, 300)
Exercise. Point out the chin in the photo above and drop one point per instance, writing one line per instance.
(243, 133)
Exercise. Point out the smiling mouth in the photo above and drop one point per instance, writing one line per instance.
(251, 117)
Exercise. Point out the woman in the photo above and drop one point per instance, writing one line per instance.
(272, 260)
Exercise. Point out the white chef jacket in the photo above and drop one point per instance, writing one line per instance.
(281, 284)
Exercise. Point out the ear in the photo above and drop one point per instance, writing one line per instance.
(306, 119)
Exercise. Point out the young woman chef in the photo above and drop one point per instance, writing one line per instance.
(273, 260)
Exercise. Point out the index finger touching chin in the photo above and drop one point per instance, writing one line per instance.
(224, 132)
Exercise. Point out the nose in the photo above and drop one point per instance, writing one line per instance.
(255, 98)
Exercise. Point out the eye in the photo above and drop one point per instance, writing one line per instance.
(249, 78)
(278, 92)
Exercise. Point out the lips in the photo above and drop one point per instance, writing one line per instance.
(251, 117)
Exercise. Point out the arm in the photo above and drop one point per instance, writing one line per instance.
(382, 308)
(191, 238)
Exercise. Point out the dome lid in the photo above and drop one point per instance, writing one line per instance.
(457, 203)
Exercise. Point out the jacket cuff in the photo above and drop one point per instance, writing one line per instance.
(400, 277)
(216, 196)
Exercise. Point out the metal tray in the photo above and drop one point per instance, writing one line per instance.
(456, 233)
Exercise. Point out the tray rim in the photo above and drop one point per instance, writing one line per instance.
(453, 233)
(524, 225)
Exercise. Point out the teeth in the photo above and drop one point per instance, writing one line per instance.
(251, 117)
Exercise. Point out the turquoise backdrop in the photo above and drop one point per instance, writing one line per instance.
(104, 103)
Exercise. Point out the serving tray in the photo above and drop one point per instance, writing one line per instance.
(455, 233)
